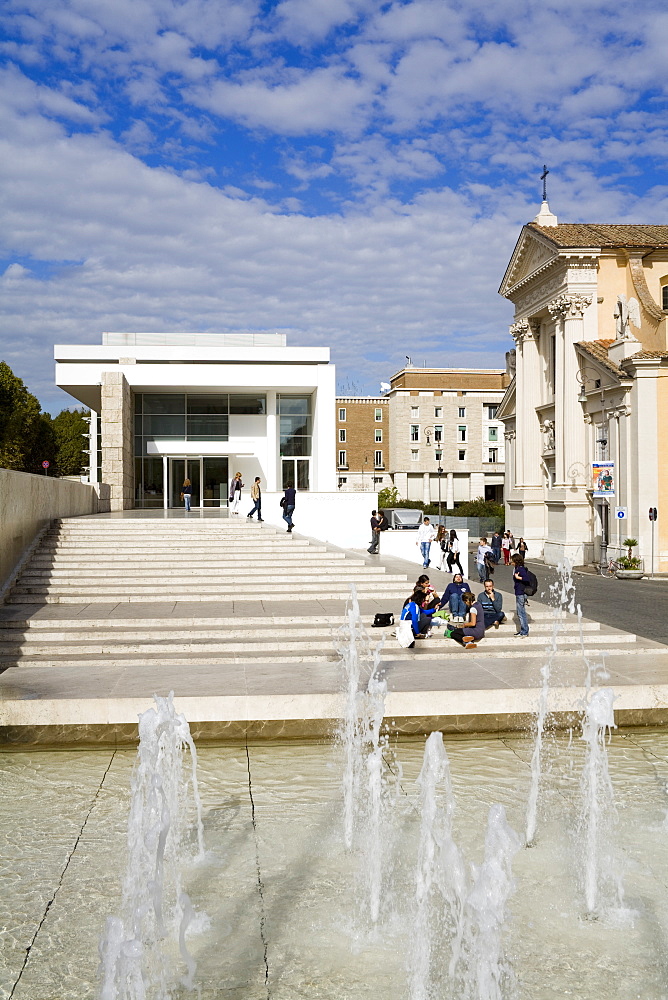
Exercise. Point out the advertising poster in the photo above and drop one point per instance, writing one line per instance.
(603, 479)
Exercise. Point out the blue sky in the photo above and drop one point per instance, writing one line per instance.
(352, 172)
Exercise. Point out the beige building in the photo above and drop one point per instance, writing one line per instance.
(588, 402)
(430, 418)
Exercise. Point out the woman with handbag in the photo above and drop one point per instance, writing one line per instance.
(236, 487)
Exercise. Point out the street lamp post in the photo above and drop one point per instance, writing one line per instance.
(440, 473)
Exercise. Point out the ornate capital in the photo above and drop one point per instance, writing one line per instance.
(569, 306)
(519, 330)
(509, 435)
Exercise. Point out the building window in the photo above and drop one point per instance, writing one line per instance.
(461, 432)
(438, 455)
(379, 435)
(342, 435)
(461, 455)
(343, 480)
(492, 409)
(438, 432)
(415, 455)
(377, 480)
(379, 414)
(342, 413)
(462, 412)
(438, 411)
(415, 412)
(295, 424)
(415, 432)
(342, 459)
(378, 459)
(664, 298)
(493, 455)
(493, 434)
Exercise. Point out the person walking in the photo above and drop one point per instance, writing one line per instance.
(236, 487)
(505, 548)
(256, 497)
(187, 493)
(483, 550)
(288, 504)
(496, 546)
(522, 548)
(492, 605)
(453, 552)
(375, 533)
(520, 580)
(425, 536)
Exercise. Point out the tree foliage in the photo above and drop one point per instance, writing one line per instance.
(29, 437)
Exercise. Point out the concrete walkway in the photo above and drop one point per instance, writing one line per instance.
(265, 666)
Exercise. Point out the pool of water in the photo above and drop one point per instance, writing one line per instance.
(285, 901)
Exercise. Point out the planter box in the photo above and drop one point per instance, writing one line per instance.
(629, 574)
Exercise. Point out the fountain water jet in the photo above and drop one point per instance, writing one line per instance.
(139, 948)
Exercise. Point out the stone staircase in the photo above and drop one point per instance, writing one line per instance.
(101, 561)
(106, 563)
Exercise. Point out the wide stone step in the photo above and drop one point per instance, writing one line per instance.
(137, 568)
(204, 583)
(333, 594)
(196, 545)
(231, 628)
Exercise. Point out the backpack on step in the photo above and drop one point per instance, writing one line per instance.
(531, 587)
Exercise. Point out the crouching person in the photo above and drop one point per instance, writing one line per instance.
(469, 635)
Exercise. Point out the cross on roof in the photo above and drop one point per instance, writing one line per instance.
(543, 177)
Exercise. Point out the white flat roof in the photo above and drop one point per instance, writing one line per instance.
(182, 339)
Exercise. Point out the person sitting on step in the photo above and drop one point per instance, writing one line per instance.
(492, 605)
(452, 597)
(474, 629)
(420, 622)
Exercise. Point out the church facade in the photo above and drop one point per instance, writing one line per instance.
(586, 411)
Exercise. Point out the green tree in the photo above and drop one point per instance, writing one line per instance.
(26, 438)
(71, 436)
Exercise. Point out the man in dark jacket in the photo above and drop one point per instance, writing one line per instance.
(375, 533)
(289, 506)
(492, 605)
(520, 579)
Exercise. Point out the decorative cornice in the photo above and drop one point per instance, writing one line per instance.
(569, 306)
(640, 284)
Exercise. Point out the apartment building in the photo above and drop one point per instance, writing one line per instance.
(430, 419)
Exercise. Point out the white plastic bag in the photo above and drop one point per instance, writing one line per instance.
(405, 633)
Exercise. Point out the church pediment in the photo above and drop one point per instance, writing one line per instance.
(530, 257)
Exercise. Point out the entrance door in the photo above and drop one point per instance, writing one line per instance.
(214, 480)
(179, 470)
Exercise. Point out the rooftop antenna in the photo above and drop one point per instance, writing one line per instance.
(408, 360)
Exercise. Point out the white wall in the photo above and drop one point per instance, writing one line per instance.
(29, 503)
(340, 518)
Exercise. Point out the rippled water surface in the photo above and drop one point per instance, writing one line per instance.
(283, 896)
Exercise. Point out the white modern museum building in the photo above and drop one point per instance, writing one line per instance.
(203, 406)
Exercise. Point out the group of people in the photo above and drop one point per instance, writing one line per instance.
(288, 500)
(469, 617)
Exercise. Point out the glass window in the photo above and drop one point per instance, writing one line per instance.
(438, 411)
(492, 410)
(342, 413)
(294, 425)
(379, 414)
(438, 455)
(415, 432)
(342, 458)
(242, 403)
(377, 479)
(493, 433)
(164, 425)
(462, 412)
(461, 432)
(202, 403)
(664, 297)
(208, 426)
(415, 454)
(295, 405)
(462, 456)
(415, 412)
(438, 432)
(164, 402)
(379, 434)
(342, 480)
(342, 435)
(295, 444)
(378, 458)
(493, 454)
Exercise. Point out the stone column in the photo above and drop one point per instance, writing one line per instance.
(450, 491)
(570, 452)
(476, 485)
(426, 488)
(117, 440)
(527, 398)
